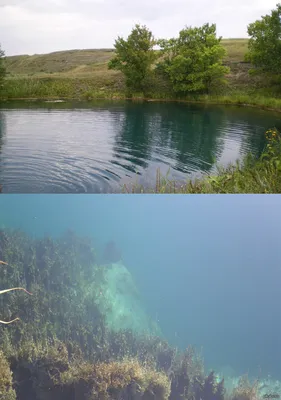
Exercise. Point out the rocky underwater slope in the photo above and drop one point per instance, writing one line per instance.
(84, 334)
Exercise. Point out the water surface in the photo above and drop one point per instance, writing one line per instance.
(98, 147)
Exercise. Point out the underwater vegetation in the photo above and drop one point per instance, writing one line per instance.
(10, 290)
(63, 349)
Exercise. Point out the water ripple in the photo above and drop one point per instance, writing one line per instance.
(96, 150)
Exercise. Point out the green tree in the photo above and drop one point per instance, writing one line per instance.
(193, 61)
(135, 57)
(265, 42)
(2, 67)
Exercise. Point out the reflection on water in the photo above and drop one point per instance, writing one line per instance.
(98, 147)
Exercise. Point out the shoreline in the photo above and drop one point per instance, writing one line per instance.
(210, 101)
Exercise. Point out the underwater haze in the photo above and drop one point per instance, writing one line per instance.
(207, 268)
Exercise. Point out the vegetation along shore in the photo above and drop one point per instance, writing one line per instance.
(195, 66)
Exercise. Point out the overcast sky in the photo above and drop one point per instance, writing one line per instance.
(42, 26)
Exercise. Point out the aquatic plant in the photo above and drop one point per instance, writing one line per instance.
(56, 272)
(117, 380)
(54, 371)
(6, 382)
(61, 370)
(245, 390)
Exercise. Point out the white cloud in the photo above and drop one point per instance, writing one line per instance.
(32, 26)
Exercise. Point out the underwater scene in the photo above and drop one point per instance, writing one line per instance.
(140, 297)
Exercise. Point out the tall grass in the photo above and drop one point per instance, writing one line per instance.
(262, 175)
(56, 88)
(91, 87)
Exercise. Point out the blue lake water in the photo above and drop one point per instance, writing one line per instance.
(98, 147)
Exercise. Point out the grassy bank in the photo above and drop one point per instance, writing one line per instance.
(83, 75)
(262, 175)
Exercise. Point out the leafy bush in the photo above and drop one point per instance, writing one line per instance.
(193, 61)
(265, 44)
(134, 57)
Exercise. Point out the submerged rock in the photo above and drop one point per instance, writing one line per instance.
(119, 301)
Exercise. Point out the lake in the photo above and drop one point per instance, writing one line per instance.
(99, 146)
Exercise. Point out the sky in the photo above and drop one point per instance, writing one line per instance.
(36, 26)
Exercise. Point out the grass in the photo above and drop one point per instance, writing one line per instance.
(257, 100)
(86, 61)
(83, 75)
(61, 87)
(236, 49)
(262, 175)
(75, 61)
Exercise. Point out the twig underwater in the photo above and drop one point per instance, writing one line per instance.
(9, 290)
